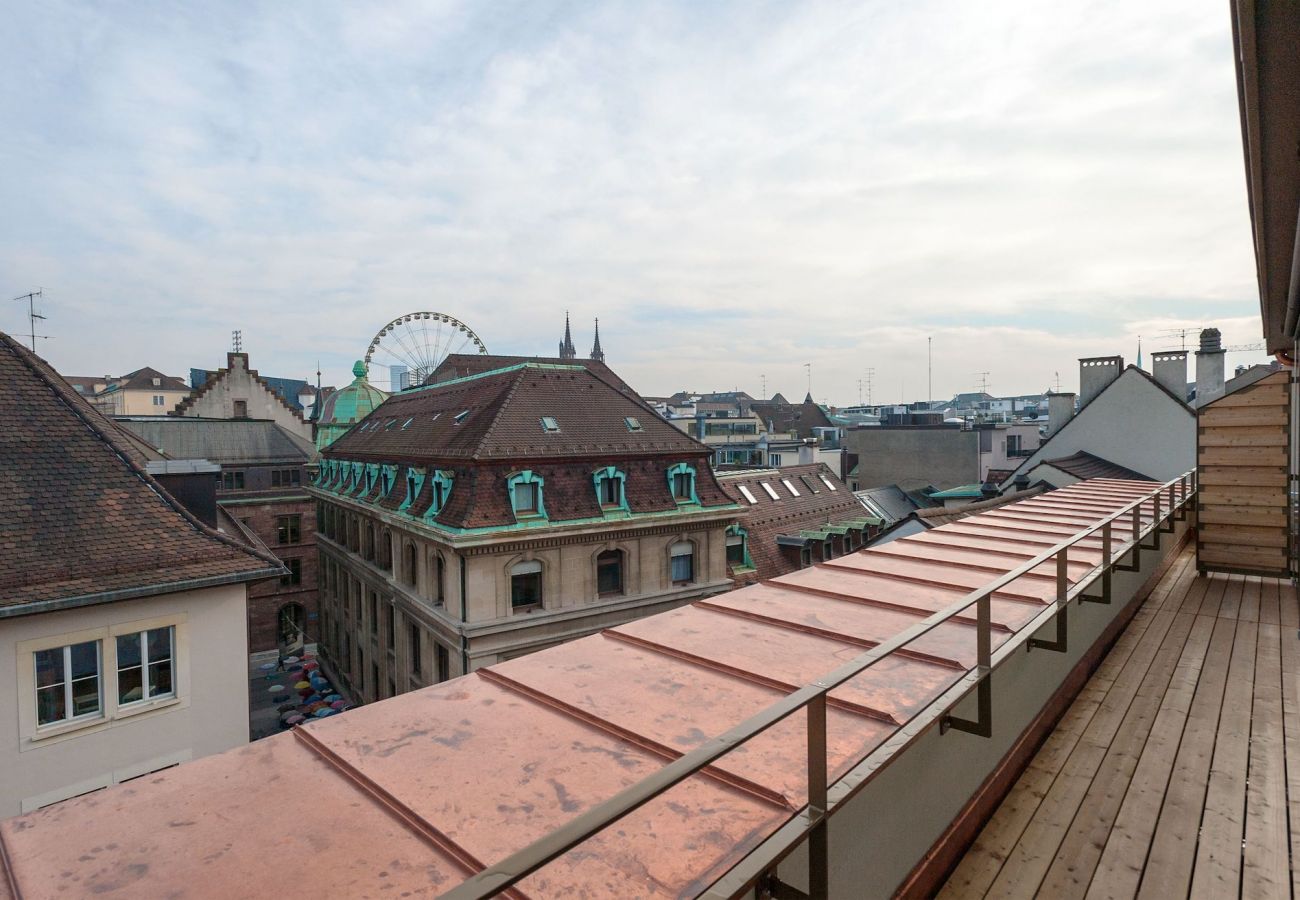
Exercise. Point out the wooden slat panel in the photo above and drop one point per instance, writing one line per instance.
(1259, 476)
(1257, 395)
(1242, 416)
(1235, 515)
(1257, 436)
(1242, 534)
(1243, 558)
(1235, 456)
(1242, 495)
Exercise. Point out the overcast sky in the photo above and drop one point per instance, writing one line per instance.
(734, 189)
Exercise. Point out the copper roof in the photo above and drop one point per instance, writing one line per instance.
(1085, 465)
(412, 793)
(79, 516)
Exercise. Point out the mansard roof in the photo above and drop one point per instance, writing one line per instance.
(497, 416)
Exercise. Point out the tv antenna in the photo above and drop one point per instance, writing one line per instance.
(763, 390)
(869, 374)
(236, 340)
(32, 315)
(1181, 334)
(984, 382)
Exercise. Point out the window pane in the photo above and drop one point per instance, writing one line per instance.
(129, 686)
(526, 590)
(160, 678)
(49, 667)
(160, 644)
(682, 567)
(85, 659)
(609, 576)
(85, 696)
(128, 650)
(49, 704)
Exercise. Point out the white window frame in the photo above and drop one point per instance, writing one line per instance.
(789, 487)
(143, 636)
(675, 551)
(744, 489)
(826, 481)
(771, 491)
(70, 719)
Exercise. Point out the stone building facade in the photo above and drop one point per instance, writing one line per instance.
(482, 518)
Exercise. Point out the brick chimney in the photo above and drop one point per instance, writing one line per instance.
(1209, 367)
(1095, 373)
(1169, 368)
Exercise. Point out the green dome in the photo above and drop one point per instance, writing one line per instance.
(347, 406)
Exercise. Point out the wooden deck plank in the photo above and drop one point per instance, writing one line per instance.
(1231, 604)
(1076, 856)
(1214, 594)
(1265, 871)
(1249, 611)
(1290, 652)
(1119, 868)
(1218, 854)
(1269, 612)
(1288, 610)
(1168, 871)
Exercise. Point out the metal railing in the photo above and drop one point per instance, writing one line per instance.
(810, 823)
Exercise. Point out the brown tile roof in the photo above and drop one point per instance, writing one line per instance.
(800, 418)
(460, 365)
(1085, 465)
(78, 514)
(503, 411)
(415, 792)
(142, 380)
(767, 519)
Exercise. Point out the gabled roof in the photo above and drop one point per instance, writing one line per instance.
(788, 417)
(143, 380)
(79, 516)
(226, 441)
(437, 783)
(766, 519)
(498, 416)
(891, 500)
(215, 378)
(1085, 465)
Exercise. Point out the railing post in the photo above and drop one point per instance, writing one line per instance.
(1107, 560)
(1061, 644)
(982, 725)
(818, 837)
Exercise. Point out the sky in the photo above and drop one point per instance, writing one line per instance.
(736, 190)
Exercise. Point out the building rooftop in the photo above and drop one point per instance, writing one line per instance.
(459, 365)
(497, 415)
(224, 441)
(1086, 465)
(80, 519)
(961, 492)
(421, 790)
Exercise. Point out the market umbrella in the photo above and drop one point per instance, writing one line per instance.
(294, 720)
(302, 684)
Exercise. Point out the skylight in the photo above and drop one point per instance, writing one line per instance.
(770, 491)
(460, 416)
(744, 489)
(789, 487)
(632, 423)
(550, 424)
(407, 423)
(827, 482)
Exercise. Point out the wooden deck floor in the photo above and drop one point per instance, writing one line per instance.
(1176, 770)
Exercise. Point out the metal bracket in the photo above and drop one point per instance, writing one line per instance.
(983, 725)
(1062, 642)
(1104, 597)
(774, 887)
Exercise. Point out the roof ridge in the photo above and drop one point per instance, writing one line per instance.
(78, 406)
(502, 401)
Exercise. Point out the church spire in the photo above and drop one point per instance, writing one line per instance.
(566, 345)
(596, 353)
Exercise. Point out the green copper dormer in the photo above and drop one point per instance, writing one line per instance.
(347, 406)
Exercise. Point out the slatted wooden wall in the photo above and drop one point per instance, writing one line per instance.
(1242, 455)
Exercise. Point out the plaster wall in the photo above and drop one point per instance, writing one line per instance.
(914, 457)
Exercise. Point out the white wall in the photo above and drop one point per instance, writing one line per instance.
(1132, 423)
(208, 715)
(218, 401)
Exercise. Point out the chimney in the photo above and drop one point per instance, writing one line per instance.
(1170, 369)
(1060, 409)
(1209, 367)
(1095, 373)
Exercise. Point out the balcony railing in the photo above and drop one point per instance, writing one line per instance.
(1127, 524)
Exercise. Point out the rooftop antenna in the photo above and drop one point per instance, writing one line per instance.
(929, 372)
(984, 382)
(870, 374)
(236, 340)
(32, 314)
(1058, 382)
(1181, 334)
(808, 369)
(763, 390)
(859, 392)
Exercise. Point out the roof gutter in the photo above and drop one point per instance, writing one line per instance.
(35, 607)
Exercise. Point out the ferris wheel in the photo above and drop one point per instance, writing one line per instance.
(413, 345)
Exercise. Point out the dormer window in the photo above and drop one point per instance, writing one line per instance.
(526, 495)
(550, 424)
(157, 382)
(681, 481)
(632, 423)
(609, 488)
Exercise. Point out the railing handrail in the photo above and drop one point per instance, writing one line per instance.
(502, 875)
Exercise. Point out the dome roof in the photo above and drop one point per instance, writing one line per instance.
(349, 405)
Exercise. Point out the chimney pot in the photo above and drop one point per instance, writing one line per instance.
(1169, 368)
(1095, 374)
(1209, 367)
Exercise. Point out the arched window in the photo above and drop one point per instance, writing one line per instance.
(412, 572)
(526, 584)
(370, 542)
(609, 483)
(738, 548)
(386, 551)
(609, 573)
(682, 562)
(526, 495)
(290, 623)
(440, 579)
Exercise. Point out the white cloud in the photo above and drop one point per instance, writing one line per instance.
(734, 190)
